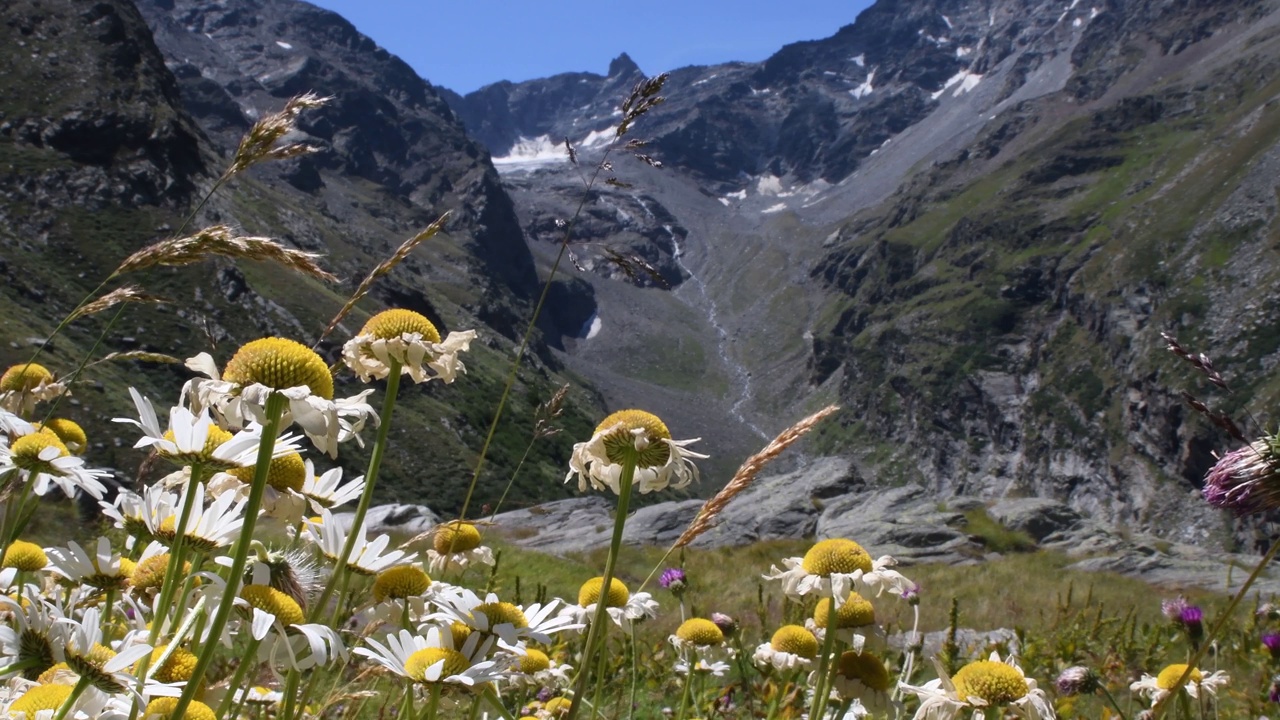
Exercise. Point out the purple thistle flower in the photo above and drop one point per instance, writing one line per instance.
(1245, 480)
(1274, 693)
(545, 694)
(673, 579)
(912, 594)
(1271, 641)
(1192, 619)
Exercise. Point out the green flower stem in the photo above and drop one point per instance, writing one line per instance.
(635, 673)
(20, 666)
(13, 515)
(783, 682)
(598, 629)
(406, 705)
(366, 498)
(246, 660)
(495, 702)
(275, 407)
(1107, 694)
(688, 691)
(433, 703)
(291, 695)
(1158, 710)
(741, 661)
(828, 647)
(602, 659)
(81, 685)
(173, 576)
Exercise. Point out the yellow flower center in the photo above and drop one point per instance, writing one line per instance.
(419, 663)
(796, 640)
(994, 682)
(25, 556)
(534, 661)
(162, 709)
(399, 582)
(69, 432)
(856, 612)
(269, 599)
(180, 666)
(393, 323)
(589, 593)
(700, 632)
(280, 364)
(834, 556)
(502, 612)
(216, 437)
(558, 706)
(460, 631)
(287, 472)
(40, 697)
(48, 676)
(25, 376)
(455, 537)
(150, 573)
(99, 654)
(622, 441)
(26, 451)
(867, 668)
(1168, 676)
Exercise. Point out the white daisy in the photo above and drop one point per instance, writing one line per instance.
(207, 527)
(25, 384)
(323, 491)
(508, 621)
(715, 668)
(977, 686)
(102, 570)
(1156, 688)
(366, 558)
(791, 647)
(278, 624)
(623, 606)
(456, 546)
(660, 461)
(84, 655)
(433, 659)
(276, 365)
(535, 668)
(12, 426)
(835, 567)
(33, 638)
(410, 339)
(194, 438)
(863, 678)
(43, 460)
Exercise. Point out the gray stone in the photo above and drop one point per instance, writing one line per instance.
(1037, 517)
(560, 527)
(903, 522)
(397, 518)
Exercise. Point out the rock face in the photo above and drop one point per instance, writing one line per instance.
(969, 222)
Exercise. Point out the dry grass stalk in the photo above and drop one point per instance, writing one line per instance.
(260, 143)
(140, 355)
(387, 265)
(128, 293)
(548, 411)
(218, 240)
(705, 519)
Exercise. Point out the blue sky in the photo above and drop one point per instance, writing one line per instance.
(464, 44)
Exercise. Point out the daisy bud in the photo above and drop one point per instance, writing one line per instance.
(727, 625)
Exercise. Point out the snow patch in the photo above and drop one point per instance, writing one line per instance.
(947, 20)
(963, 51)
(707, 79)
(597, 137)
(865, 88)
(1094, 12)
(591, 327)
(769, 185)
(860, 60)
(963, 81)
(774, 208)
(1073, 4)
(536, 151)
(762, 91)
(1077, 22)
(284, 45)
(725, 201)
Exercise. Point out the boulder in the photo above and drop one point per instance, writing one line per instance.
(398, 519)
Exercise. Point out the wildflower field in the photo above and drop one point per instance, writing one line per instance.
(228, 587)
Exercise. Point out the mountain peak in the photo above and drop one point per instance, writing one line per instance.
(623, 65)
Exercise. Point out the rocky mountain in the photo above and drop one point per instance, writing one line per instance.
(113, 131)
(967, 221)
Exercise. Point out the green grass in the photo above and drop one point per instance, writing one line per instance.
(994, 536)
